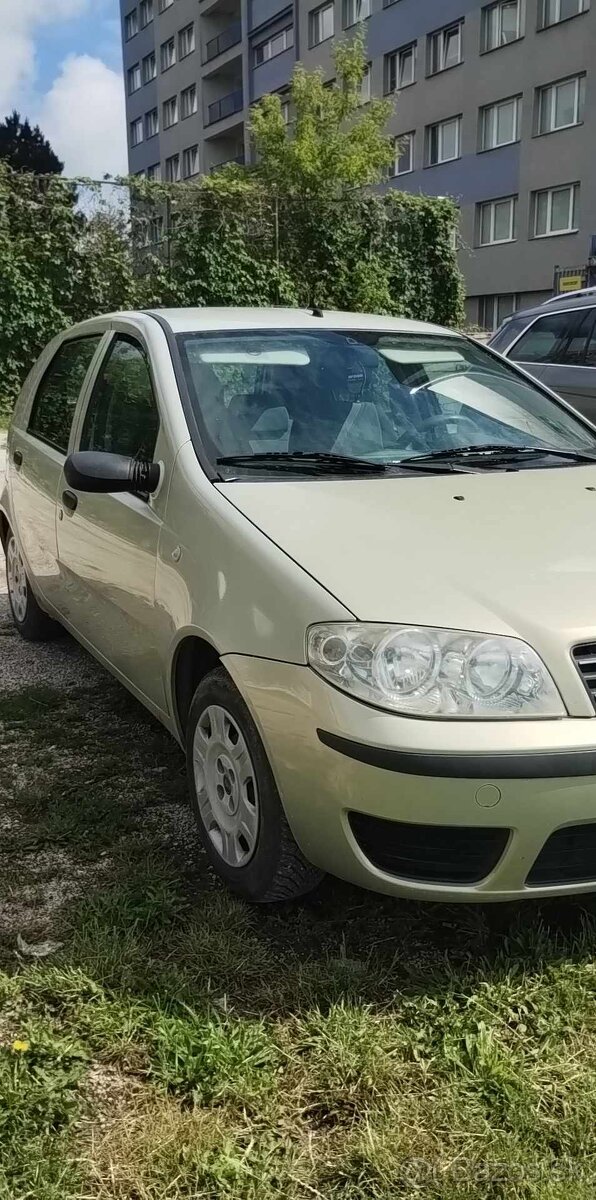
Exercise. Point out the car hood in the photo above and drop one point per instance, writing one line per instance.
(510, 553)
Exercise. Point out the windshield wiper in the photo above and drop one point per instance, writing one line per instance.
(319, 460)
(495, 452)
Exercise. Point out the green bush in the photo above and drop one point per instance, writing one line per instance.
(68, 251)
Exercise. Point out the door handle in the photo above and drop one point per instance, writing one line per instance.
(17, 458)
(69, 500)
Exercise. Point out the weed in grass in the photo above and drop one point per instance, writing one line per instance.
(39, 1098)
(213, 1059)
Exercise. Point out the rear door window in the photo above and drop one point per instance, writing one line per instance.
(56, 398)
(560, 338)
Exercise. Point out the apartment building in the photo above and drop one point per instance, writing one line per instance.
(495, 106)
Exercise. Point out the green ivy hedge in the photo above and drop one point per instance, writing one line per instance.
(71, 250)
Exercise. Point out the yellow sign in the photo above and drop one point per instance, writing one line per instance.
(571, 283)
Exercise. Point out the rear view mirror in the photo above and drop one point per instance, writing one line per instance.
(93, 471)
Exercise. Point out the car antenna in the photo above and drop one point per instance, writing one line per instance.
(315, 311)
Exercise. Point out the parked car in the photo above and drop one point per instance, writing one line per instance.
(556, 343)
(346, 561)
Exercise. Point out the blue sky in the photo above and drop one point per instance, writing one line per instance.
(85, 34)
(61, 65)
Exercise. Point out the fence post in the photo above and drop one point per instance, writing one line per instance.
(276, 233)
(169, 237)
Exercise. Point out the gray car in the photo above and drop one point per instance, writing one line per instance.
(556, 342)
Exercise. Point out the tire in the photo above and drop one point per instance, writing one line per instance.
(30, 620)
(235, 801)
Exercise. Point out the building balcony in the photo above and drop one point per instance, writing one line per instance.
(239, 160)
(225, 107)
(226, 40)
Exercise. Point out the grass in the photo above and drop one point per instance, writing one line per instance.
(182, 1046)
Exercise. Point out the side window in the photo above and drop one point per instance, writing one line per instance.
(122, 416)
(559, 338)
(590, 359)
(57, 395)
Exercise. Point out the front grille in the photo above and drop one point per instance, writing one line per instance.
(585, 661)
(429, 853)
(569, 856)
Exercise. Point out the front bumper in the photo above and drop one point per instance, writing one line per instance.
(448, 788)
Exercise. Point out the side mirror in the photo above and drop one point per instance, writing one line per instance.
(93, 471)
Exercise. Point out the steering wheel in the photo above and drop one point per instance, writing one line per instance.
(442, 419)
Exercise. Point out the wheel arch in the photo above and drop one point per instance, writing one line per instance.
(4, 527)
(194, 657)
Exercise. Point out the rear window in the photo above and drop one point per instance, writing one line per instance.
(506, 334)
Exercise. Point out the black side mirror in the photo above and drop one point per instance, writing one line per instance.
(93, 471)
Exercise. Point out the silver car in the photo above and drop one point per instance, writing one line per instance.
(346, 560)
(556, 343)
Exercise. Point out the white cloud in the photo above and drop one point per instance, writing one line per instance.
(18, 22)
(83, 115)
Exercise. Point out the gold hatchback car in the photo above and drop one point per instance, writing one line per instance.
(348, 561)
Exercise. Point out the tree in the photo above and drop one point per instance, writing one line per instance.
(336, 142)
(317, 168)
(26, 149)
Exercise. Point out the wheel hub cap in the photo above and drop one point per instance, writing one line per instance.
(226, 786)
(17, 580)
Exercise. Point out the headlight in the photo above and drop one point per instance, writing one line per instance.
(435, 672)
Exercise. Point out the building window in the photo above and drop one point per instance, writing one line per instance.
(555, 211)
(496, 221)
(190, 162)
(134, 79)
(188, 101)
(146, 12)
(445, 48)
(154, 172)
(285, 111)
(186, 41)
(501, 24)
(321, 24)
(163, 4)
(170, 112)
(499, 123)
(168, 54)
(354, 11)
(364, 90)
(173, 169)
(400, 68)
(443, 141)
(553, 11)
(151, 123)
(561, 105)
(154, 230)
(404, 154)
(136, 132)
(492, 310)
(131, 24)
(273, 46)
(149, 68)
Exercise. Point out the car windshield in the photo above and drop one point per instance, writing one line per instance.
(378, 396)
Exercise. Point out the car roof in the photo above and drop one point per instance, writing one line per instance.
(195, 320)
(554, 306)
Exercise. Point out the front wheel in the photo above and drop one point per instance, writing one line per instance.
(31, 622)
(235, 800)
